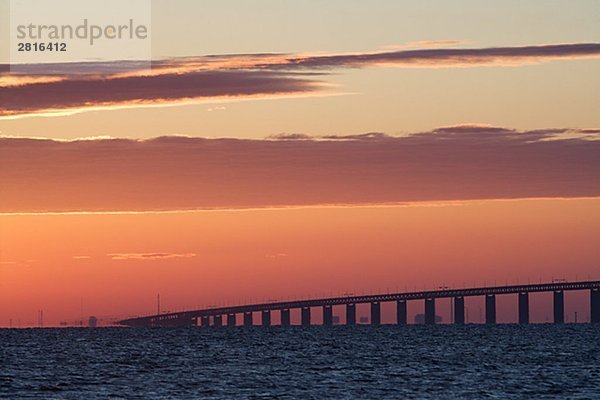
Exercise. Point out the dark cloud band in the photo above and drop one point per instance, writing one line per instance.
(174, 173)
(77, 86)
(80, 93)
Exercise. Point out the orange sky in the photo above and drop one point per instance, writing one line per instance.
(254, 159)
(50, 262)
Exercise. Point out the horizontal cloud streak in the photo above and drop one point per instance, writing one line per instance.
(149, 256)
(175, 173)
(444, 57)
(43, 88)
(423, 57)
(80, 93)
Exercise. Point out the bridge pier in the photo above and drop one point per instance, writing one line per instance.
(401, 315)
(327, 316)
(248, 319)
(595, 305)
(350, 314)
(231, 320)
(430, 311)
(266, 318)
(459, 310)
(524, 308)
(375, 313)
(490, 309)
(285, 317)
(305, 316)
(559, 307)
(205, 322)
(218, 320)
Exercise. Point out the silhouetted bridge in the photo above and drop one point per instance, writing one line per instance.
(191, 318)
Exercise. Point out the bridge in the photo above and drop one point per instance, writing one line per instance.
(204, 316)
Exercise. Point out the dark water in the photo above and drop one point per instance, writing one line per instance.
(362, 362)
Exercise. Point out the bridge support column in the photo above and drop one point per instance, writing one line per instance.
(375, 313)
(285, 317)
(401, 318)
(459, 310)
(231, 320)
(559, 307)
(350, 314)
(266, 318)
(205, 322)
(305, 316)
(327, 316)
(595, 305)
(218, 320)
(490, 309)
(524, 308)
(248, 320)
(430, 311)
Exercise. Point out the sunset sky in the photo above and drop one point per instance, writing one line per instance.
(281, 149)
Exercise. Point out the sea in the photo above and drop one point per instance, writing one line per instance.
(341, 362)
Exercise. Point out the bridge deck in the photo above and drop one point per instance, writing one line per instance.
(420, 295)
